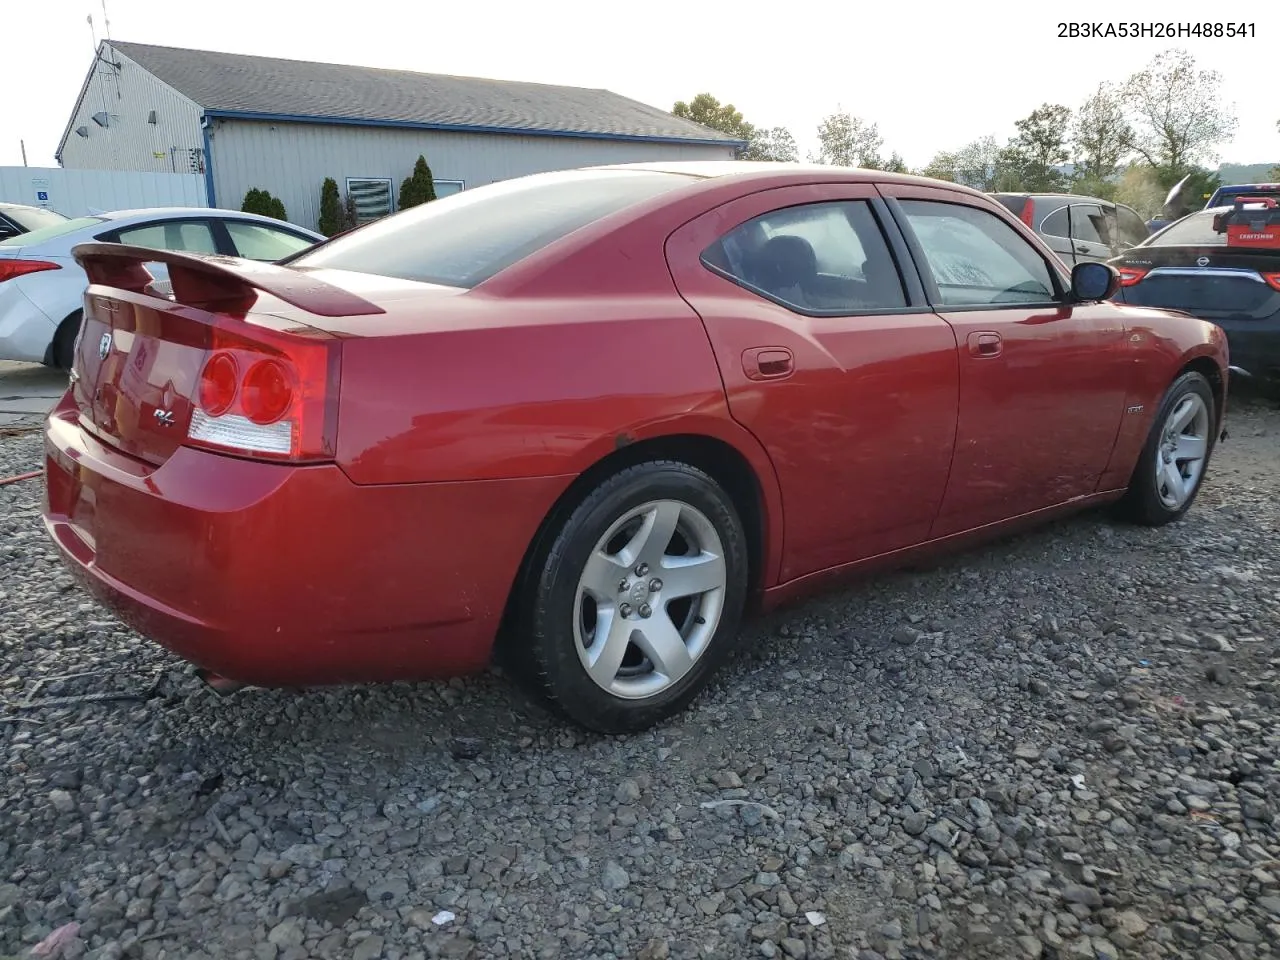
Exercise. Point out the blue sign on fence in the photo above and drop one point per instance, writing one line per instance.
(42, 196)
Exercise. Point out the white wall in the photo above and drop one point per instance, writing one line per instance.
(75, 193)
(292, 159)
(130, 141)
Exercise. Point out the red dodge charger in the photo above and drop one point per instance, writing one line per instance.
(587, 419)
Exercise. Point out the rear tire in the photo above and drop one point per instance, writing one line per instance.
(1175, 458)
(635, 600)
(62, 352)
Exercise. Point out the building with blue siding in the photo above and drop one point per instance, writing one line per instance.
(286, 125)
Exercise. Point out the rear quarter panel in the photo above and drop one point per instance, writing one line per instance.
(521, 389)
(1164, 344)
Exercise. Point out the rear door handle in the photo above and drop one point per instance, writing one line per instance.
(768, 363)
(985, 343)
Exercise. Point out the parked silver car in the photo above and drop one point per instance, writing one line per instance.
(1078, 228)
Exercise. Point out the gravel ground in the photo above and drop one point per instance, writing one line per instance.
(1064, 745)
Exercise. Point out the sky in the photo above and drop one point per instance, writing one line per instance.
(933, 75)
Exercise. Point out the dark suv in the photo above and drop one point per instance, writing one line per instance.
(1078, 228)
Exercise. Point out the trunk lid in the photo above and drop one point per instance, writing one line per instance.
(136, 380)
(1212, 282)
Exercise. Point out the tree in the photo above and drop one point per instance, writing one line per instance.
(264, 204)
(895, 164)
(1178, 115)
(330, 208)
(419, 187)
(775, 144)
(708, 111)
(350, 218)
(1100, 135)
(941, 167)
(1039, 147)
(846, 141)
(1139, 189)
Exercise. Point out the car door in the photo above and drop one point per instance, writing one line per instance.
(1090, 232)
(1042, 380)
(831, 357)
(1130, 230)
(1055, 231)
(257, 241)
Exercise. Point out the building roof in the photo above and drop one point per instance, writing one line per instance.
(230, 84)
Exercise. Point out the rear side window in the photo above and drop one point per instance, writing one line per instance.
(819, 258)
(1195, 230)
(467, 238)
(187, 236)
(976, 258)
(34, 218)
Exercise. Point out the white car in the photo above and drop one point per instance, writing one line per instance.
(42, 287)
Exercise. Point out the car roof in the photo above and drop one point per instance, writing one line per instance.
(160, 213)
(769, 170)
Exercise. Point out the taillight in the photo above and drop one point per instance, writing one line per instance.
(9, 269)
(219, 383)
(1273, 279)
(1029, 212)
(268, 394)
(1130, 275)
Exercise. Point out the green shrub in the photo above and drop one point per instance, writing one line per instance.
(330, 208)
(264, 204)
(418, 188)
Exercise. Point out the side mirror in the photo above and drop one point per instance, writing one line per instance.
(1093, 281)
(1220, 223)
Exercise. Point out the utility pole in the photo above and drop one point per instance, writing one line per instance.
(23, 144)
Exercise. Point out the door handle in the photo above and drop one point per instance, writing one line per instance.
(1082, 249)
(768, 363)
(985, 343)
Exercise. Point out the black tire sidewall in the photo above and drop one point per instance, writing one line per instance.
(1143, 497)
(62, 353)
(550, 606)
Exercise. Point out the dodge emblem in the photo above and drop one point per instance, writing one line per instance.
(1202, 262)
(104, 346)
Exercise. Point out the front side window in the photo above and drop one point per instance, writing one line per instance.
(976, 258)
(1089, 223)
(253, 241)
(820, 258)
(1129, 227)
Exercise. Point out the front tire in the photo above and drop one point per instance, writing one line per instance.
(1172, 466)
(637, 599)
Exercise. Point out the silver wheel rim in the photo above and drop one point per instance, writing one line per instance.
(1184, 441)
(649, 599)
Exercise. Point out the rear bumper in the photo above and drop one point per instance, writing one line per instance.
(1254, 346)
(25, 330)
(290, 576)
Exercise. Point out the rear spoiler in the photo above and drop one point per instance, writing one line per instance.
(215, 282)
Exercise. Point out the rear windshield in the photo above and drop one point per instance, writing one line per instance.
(1195, 230)
(34, 218)
(50, 233)
(464, 239)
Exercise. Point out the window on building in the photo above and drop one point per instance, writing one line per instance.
(447, 188)
(372, 197)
